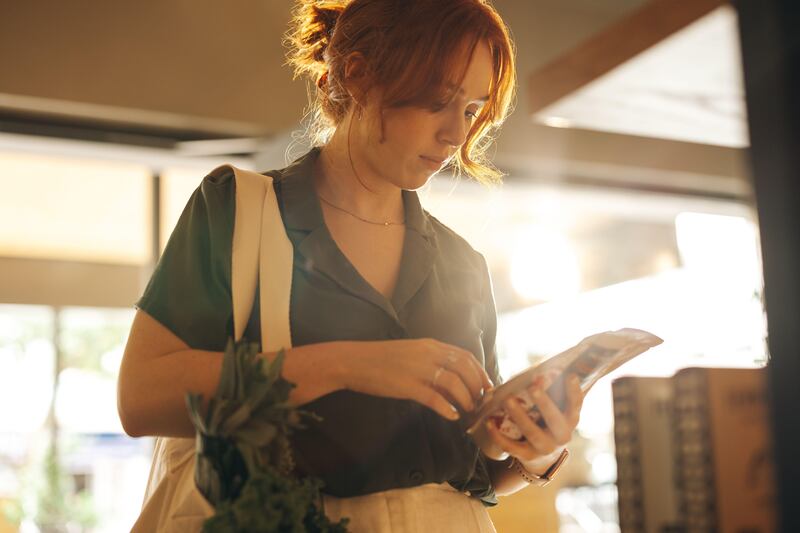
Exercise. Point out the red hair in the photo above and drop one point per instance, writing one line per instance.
(414, 49)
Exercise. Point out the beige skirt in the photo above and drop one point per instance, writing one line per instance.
(425, 509)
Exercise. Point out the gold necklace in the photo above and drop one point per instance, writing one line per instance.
(359, 218)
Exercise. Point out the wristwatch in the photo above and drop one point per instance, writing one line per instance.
(543, 479)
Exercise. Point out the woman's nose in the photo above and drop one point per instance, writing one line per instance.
(454, 130)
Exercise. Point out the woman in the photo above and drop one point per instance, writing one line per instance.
(392, 315)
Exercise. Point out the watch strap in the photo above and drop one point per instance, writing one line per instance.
(540, 480)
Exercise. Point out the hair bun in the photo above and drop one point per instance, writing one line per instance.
(310, 33)
(325, 18)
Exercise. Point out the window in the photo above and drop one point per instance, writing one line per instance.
(84, 209)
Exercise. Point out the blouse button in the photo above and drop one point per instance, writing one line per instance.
(396, 332)
(415, 476)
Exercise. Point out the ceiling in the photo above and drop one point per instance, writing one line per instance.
(688, 87)
(219, 68)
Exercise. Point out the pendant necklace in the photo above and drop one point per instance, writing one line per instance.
(359, 218)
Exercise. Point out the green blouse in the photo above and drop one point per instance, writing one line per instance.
(363, 443)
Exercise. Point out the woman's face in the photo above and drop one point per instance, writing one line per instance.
(418, 142)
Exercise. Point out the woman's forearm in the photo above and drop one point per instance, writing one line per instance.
(152, 391)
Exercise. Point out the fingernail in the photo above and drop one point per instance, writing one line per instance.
(575, 381)
(454, 414)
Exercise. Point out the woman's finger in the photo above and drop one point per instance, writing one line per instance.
(541, 440)
(452, 385)
(557, 422)
(433, 399)
(483, 376)
(518, 448)
(471, 372)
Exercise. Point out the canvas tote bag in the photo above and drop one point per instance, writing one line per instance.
(261, 251)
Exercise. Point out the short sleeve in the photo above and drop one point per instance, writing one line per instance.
(190, 289)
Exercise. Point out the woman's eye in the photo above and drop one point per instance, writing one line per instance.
(472, 115)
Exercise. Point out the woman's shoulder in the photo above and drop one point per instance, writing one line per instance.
(217, 190)
(210, 211)
(224, 177)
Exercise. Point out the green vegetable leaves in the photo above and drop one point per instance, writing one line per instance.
(243, 454)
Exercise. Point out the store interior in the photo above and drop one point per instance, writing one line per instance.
(627, 201)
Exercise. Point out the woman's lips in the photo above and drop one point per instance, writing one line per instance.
(432, 162)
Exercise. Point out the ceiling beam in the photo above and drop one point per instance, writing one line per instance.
(611, 47)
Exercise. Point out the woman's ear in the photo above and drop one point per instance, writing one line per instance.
(356, 77)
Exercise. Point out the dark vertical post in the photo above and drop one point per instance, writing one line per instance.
(771, 56)
(155, 251)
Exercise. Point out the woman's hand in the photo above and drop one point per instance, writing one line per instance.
(539, 443)
(436, 374)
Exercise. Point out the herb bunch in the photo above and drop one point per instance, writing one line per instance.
(244, 465)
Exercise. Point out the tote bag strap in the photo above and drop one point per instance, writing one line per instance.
(261, 252)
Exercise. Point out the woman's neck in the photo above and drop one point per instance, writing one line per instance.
(358, 191)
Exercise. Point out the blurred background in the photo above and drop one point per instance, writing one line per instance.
(628, 202)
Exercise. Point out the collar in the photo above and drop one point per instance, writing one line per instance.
(302, 216)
